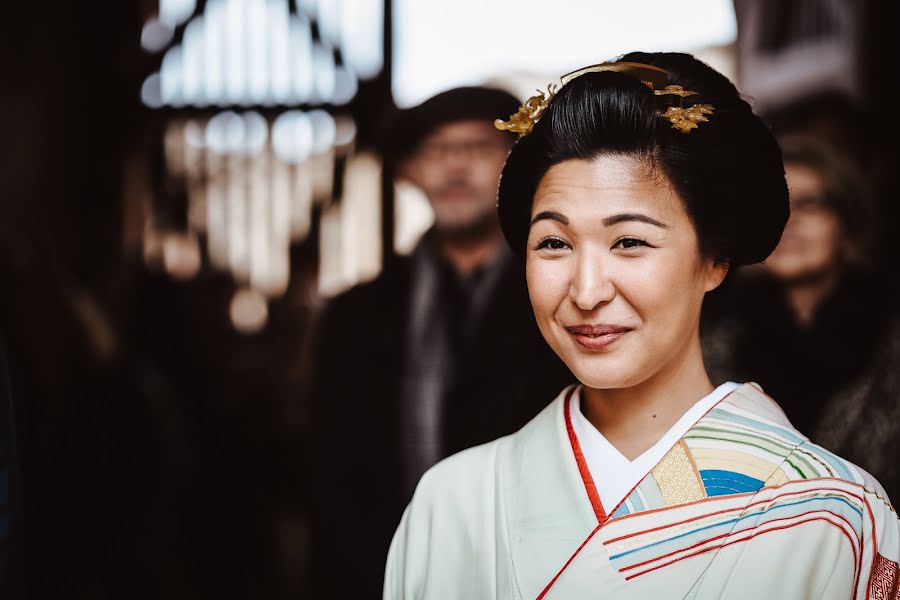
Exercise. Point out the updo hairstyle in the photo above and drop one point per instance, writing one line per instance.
(728, 171)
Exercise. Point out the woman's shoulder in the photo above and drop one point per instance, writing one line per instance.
(802, 459)
(453, 526)
(459, 475)
(850, 498)
(444, 528)
(465, 478)
(807, 482)
(812, 462)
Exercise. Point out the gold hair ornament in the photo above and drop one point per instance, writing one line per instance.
(674, 90)
(683, 119)
(528, 114)
(686, 119)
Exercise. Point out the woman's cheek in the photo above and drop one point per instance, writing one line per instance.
(546, 284)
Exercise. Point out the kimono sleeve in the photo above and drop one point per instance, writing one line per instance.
(881, 556)
(444, 547)
(399, 569)
(415, 563)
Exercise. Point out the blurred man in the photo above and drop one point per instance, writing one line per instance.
(438, 354)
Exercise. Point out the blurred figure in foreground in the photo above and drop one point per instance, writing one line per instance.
(439, 353)
(818, 326)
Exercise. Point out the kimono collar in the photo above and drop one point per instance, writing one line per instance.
(547, 500)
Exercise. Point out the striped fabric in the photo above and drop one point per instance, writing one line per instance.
(750, 474)
(735, 449)
(742, 507)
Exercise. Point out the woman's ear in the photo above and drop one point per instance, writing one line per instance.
(715, 272)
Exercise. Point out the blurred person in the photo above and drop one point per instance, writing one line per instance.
(438, 354)
(834, 117)
(818, 326)
(852, 128)
(640, 186)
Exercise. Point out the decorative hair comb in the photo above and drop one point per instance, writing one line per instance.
(684, 119)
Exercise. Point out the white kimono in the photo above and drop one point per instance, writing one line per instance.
(741, 506)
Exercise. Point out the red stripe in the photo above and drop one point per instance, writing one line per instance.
(686, 449)
(590, 487)
(719, 512)
(593, 496)
(758, 533)
(568, 562)
(874, 548)
(718, 498)
(856, 557)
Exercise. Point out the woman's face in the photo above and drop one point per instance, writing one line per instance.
(614, 271)
(810, 247)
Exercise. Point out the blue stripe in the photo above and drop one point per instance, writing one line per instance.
(856, 509)
(720, 483)
(635, 500)
(785, 433)
(835, 461)
(650, 488)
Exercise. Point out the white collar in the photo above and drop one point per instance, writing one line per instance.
(614, 475)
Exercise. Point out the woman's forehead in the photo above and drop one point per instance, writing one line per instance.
(606, 183)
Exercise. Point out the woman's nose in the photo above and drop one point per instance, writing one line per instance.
(591, 283)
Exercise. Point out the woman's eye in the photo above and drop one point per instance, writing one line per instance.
(629, 243)
(552, 244)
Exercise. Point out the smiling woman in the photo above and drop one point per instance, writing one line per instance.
(616, 282)
(631, 193)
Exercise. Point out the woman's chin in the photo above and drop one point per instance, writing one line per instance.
(603, 370)
(607, 379)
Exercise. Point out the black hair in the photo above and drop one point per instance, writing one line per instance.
(728, 171)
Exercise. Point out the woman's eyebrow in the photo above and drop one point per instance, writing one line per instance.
(626, 217)
(549, 214)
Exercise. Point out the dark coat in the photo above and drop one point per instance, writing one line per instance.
(505, 376)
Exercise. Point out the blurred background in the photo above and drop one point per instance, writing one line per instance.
(185, 183)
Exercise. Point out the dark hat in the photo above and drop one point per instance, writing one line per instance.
(406, 128)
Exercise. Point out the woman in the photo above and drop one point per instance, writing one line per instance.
(630, 199)
(819, 305)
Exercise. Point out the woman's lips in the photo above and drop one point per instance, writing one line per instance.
(596, 337)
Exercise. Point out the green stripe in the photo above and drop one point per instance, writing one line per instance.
(737, 441)
(749, 434)
(775, 434)
(828, 468)
(808, 464)
(796, 468)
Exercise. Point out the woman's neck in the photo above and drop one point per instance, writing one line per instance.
(633, 419)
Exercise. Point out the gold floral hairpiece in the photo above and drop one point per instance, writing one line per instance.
(528, 114)
(684, 119)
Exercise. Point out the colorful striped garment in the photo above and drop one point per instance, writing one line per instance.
(742, 506)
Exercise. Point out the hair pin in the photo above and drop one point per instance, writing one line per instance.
(528, 114)
(685, 119)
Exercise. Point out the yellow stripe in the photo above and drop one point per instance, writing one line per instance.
(731, 460)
